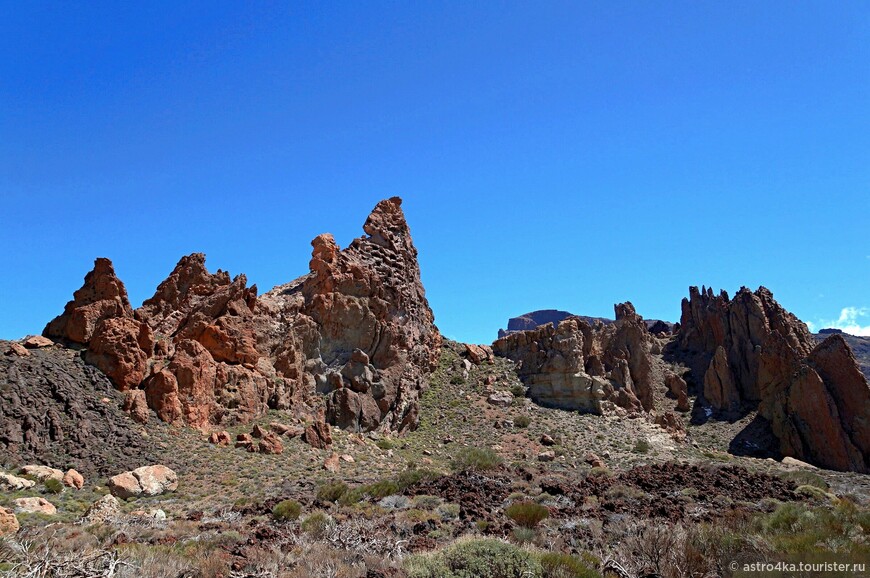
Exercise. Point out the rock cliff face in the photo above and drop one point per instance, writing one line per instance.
(595, 368)
(752, 354)
(205, 350)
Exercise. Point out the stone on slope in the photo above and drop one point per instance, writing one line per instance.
(8, 522)
(144, 481)
(11, 483)
(73, 479)
(34, 506)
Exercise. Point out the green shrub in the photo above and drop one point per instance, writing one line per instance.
(805, 478)
(814, 493)
(385, 444)
(287, 510)
(527, 514)
(53, 485)
(641, 446)
(351, 497)
(522, 421)
(425, 502)
(558, 565)
(475, 459)
(475, 558)
(381, 489)
(524, 535)
(481, 525)
(457, 380)
(518, 390)
(316, 525)
(331, 491)
(413, 476)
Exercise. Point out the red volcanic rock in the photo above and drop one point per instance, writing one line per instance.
(357, 329)
(37, 341)
(17, 349)
(102, 296)
(672, 424)
(270, 444)
(751, 350)
(318, 435)
(73, 479)
(120, 348)
(220, 438)
(136, 404)
(478, 354)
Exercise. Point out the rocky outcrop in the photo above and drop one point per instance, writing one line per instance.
(11, 483)
(205, 350)
(752, 354)
(102, 296)
(579, 366)
(34, 506)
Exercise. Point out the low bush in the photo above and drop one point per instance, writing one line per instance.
(527, 514)
(558, 565)
(316, 524)
(287, 510)
(331, 491)
(805, 478)
(53, 485)
(524, 535)
(413, 476)
(522, 421)
(641, 446)
(475, 459)
(518, 390)
(474, 558)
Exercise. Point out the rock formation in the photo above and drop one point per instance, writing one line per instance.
(592, 368)
(205, 350)
(752, 354)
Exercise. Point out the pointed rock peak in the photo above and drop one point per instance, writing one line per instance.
(325, 248)
(387, 220)
(101, 296)
(625, 311)
(833, 347)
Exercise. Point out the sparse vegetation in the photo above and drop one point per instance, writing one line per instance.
(527, 514)
(476, 459)
(53, 485)
(287, 510)
(476, 557)
(522, 421)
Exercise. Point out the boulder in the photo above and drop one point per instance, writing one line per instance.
(34, 506)
(73, 479)
(136, 404)
(479, 354)
(271, 444)
(220, 438)
(103, 511)
(593, 460)
(17, 349)
(317, 435)
(332, 464)
(11, 483)
(42, 473)
(8, 522)
(501, 399)
(144, 481)
(547, 440)
(37, 341)
(547, 456)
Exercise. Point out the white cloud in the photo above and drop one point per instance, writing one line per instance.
(853, 320)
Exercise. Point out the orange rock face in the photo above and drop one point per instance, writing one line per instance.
(355, 335)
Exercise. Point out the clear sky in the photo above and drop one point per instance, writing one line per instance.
(550, 154)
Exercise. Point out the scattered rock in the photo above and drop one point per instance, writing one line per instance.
(347, 458)
(258, 432)
(271, 444)
(790, 461)
(8, 522)
(593, 460)
(501, 399)
(318, 435)
(221, 438)
(17, 349)
(547, 456)
(34, 506)
(136, 404)
(331, 464)
(37, 341)
(478, 354)
(73, 479)
(104, 510)
(547, 440)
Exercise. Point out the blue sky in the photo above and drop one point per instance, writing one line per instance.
(551, 155)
